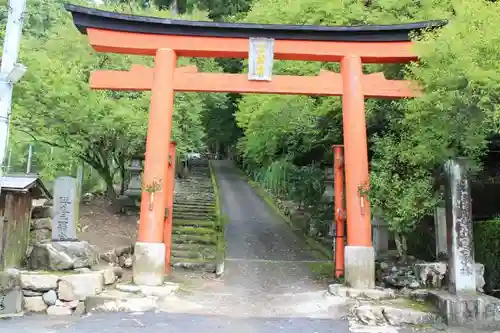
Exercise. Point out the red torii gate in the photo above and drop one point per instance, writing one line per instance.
(168, 39)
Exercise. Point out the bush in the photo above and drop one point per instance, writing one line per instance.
(487, 251)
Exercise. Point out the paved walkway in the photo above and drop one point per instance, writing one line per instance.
(267, 269)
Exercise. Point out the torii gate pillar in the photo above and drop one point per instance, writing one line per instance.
(359, 253)
(150, 251)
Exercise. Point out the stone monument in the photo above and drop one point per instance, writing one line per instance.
(65, 209)
(459, 229)
(462, 305)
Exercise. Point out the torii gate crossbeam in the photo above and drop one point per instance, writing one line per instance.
(169, 39)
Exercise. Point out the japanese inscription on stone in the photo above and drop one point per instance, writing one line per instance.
(65, 209)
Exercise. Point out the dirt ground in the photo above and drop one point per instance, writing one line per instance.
(100, 227)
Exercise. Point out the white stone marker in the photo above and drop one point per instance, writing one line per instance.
(462, 276)
(65, 209)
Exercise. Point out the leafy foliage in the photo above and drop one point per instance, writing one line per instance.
(487, 250)
(54, 105)
(409, 139)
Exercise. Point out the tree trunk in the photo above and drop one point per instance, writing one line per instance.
(401, 245)
(123, 179)
(110, 189)
(174, 8)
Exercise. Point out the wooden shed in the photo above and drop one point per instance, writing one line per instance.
(16, 200)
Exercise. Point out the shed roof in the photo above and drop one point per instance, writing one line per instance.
(25, 183)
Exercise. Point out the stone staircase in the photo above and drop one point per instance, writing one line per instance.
(196, 224)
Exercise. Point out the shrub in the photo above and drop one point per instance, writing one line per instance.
(487, 251)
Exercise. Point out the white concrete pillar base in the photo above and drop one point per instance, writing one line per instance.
(359, 264)
(149, 264)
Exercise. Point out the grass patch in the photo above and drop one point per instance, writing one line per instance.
(322, 269)
(222, 220)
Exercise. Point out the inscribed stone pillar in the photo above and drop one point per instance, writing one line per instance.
(65, 209)
(459, 227)
(441, 233)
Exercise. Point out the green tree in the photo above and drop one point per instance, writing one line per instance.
(105, 129)
(456, 115)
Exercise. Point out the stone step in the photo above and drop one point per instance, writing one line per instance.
(205, 254)
(193, 239)
(196, 204)
(194, 191)
(201, 181)
(195, 247)
(195, 264)
(197, 209)
(193, 231)
(194, 216)
(194, 223)
(192, 205)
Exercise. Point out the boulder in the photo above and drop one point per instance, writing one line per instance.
(83, 285)
(57, 256)
(109, 257)
(125, 261)
(9, 279)
(41, 223)
(431, 274)
(83, 254)
(38, 282)
(40, 236)
(35, 304)
(124, 250)
(50, 297)
(396, 272)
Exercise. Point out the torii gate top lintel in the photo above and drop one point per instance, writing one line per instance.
(133, 34)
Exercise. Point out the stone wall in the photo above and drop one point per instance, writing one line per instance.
(62, 294)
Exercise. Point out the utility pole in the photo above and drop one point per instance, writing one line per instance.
(30, 156)
(10, 70)
(9, 160)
